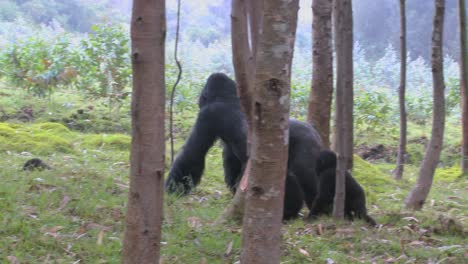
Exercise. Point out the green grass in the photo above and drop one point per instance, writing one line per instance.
(76, 211)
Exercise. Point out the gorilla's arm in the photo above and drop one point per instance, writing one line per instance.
(233, 133)
(187, 169)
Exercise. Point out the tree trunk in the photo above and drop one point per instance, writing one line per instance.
(243, 57)
(463, 84)
(264, 198)
(145, 203)
(321, 91)
(343, 17)
(398, 172)
(418, 195)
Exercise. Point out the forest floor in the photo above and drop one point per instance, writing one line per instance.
(75, 212)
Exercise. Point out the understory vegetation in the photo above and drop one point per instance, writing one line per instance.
(76, 211)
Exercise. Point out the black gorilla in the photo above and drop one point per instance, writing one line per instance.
(355, 199)
(220, 116)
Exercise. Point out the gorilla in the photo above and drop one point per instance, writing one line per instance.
(220, 117)
(355, 199)
(35, 164)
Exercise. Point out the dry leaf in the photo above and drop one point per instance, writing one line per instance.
(100, 237)
(410, 218)
(13, 260)
(304, 252)
(320, 229)
(64, 202)
(203, 260)
(194, 222)
(229, 249)
(416, 243)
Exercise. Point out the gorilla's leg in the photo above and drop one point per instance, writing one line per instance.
(307, 179)
(324, 202)
(293, 197)
(232, 168)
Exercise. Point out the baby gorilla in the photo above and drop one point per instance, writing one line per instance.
(355, 199)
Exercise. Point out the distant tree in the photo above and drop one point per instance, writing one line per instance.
(398, 172)
(321, 92)
(262, 221)
(418, 195)
(463, 84)
(343, 144)
(145, 198)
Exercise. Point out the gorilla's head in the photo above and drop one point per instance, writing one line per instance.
(326, 160)
(218, 88)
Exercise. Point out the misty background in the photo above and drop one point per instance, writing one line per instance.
(205, 44)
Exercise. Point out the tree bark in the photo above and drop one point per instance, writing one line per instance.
(343, 17)
(145, 203)
(418, 195)
(398, 172)
(264, 207)
(463, 84)
(245, 15)
(321, 92)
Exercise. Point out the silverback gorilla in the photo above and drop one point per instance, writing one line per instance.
(220, 117)
(355, 198)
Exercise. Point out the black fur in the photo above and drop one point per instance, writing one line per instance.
(221, 117)
(35, 164)
(355, 199)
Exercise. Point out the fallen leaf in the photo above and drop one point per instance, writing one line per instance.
(203, 260)
(320, 229)
(410, 218)
(100, 237)
(64, 202)
(416, 243)
(13, 260)
(228, 249)
(304, 252)
(194, 222)
(97, 226)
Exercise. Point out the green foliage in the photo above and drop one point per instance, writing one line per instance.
(372, 111)
(104, 65)
(37, 64)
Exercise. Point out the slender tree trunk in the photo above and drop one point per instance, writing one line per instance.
(398, 172)
(321, 92)
(463, 84)
(145, 203)
(418, 195)
(343, 17)
(245, 15)
(263, 210)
